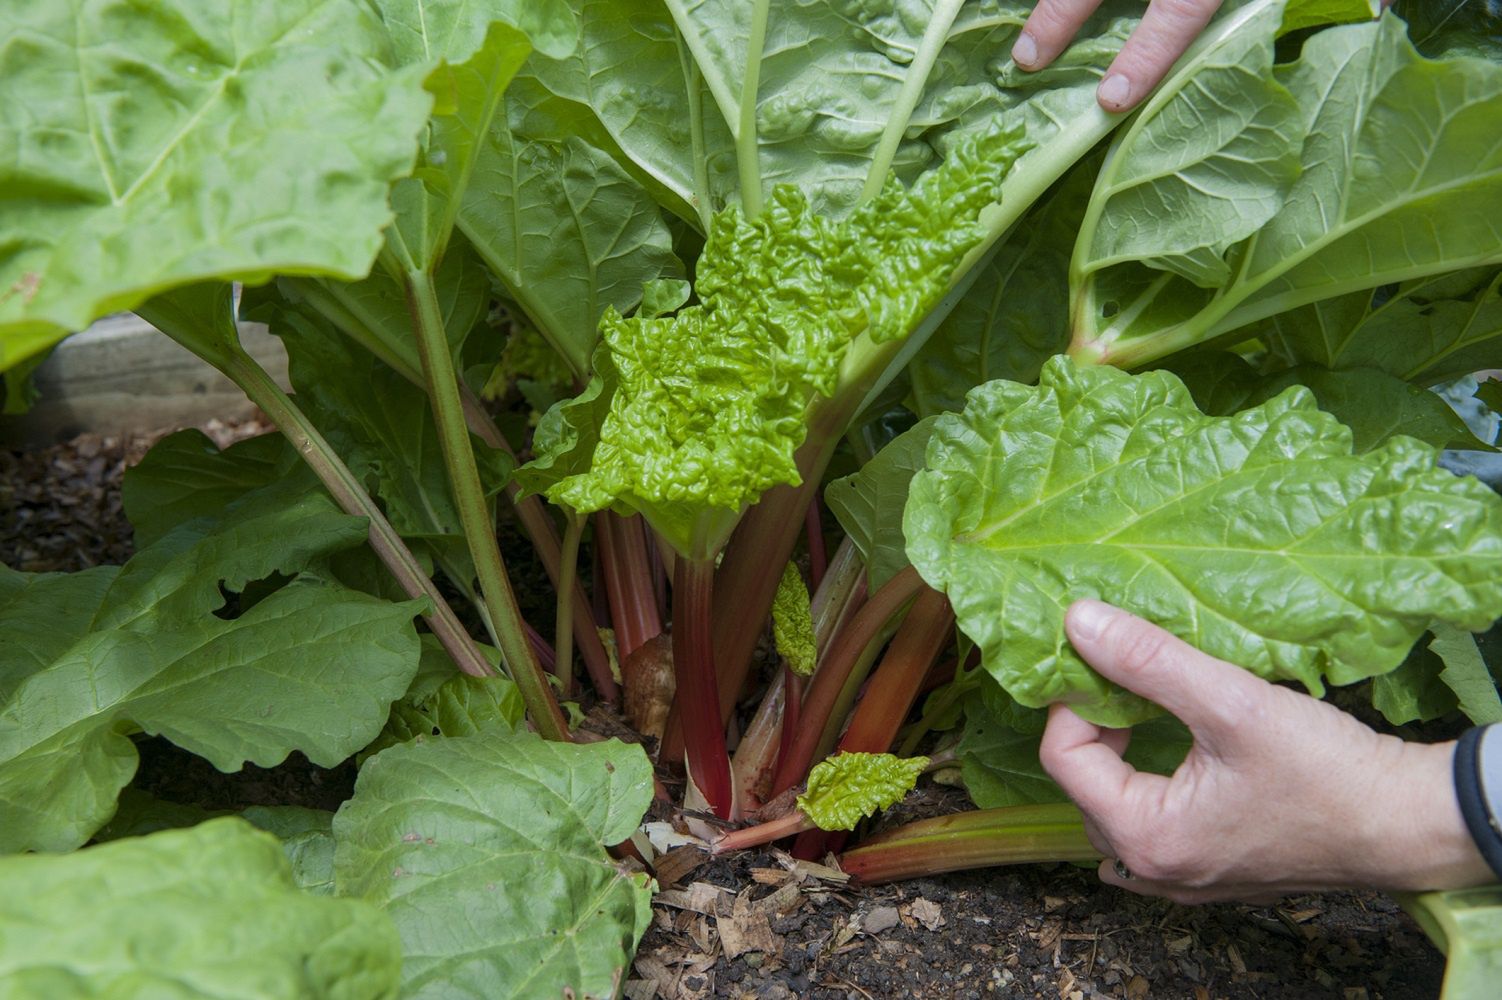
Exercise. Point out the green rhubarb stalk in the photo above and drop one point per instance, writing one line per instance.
(983, 838)
(693, 668)
(529, 510)
(474, 514)
(563, 632)
(746, 146)
(352, 498)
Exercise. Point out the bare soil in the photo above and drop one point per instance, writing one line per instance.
(761, 925)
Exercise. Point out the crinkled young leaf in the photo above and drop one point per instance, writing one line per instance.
(691, 418)
(1258, 538)
(793, 624)
(1427, 331)
(208, 913)
(1401, 179)
(848, 787)
(136, 135)
(486, 852)
(869, 503)
(92, 657)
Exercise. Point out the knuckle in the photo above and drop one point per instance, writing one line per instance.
(1186, 10)
(1140, 646)
(1052, 23)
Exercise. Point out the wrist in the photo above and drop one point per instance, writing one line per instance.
(1420, 838)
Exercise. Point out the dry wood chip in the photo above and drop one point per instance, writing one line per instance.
(771, 876)
(926, 912)
(782, 901)
(1200, 993)
(811, 869)
(883, 918)
(1137, 988)
(663, 979)
(1053, 929)
(1178, 946)
(678, 864)
(700, 897)
(747, 929)
(1233, 955)
(640, 989)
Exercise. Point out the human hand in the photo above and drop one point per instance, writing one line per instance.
(1280, 792)
(1165, 32)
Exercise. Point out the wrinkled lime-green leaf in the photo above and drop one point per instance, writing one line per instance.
(156, 146)
(700, 413)
(1466, 674)
(848, 787)
(869, 503)
(1401, 180)
(1202, 167)
(1427, 331)
(1465, 924)
(92, 657)
(1375, 405)
(487, 853)
(444, 702)
(208, 913)
(793, 623)
(1258, 538)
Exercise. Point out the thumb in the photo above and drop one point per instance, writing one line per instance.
(1210, 696)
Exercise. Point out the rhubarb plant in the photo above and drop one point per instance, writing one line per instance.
(757, 262)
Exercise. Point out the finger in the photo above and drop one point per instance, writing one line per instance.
(1089, 771)
(1165, 32)
(1209, 696)
(1049, 29)
(1117, 739)
(1098, 838)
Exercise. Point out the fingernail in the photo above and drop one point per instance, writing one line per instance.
(1115, 90)
(1025, 50)
(1088, 619)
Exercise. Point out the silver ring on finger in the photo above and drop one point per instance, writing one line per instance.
(1120, 869)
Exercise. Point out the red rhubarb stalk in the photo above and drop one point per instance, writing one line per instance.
(925, 632)
(694, 670)
(629, 584)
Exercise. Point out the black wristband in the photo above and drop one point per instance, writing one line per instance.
(1472, 797)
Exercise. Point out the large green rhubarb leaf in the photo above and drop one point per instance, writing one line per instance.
(1401, 179)
(487, 853)
(91, 657)
(208, 913)
(151, 147)
(1427, 330)
(690, 418)
(1259, 538)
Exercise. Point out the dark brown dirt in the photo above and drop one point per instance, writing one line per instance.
(763, 931)
(1033, 931)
